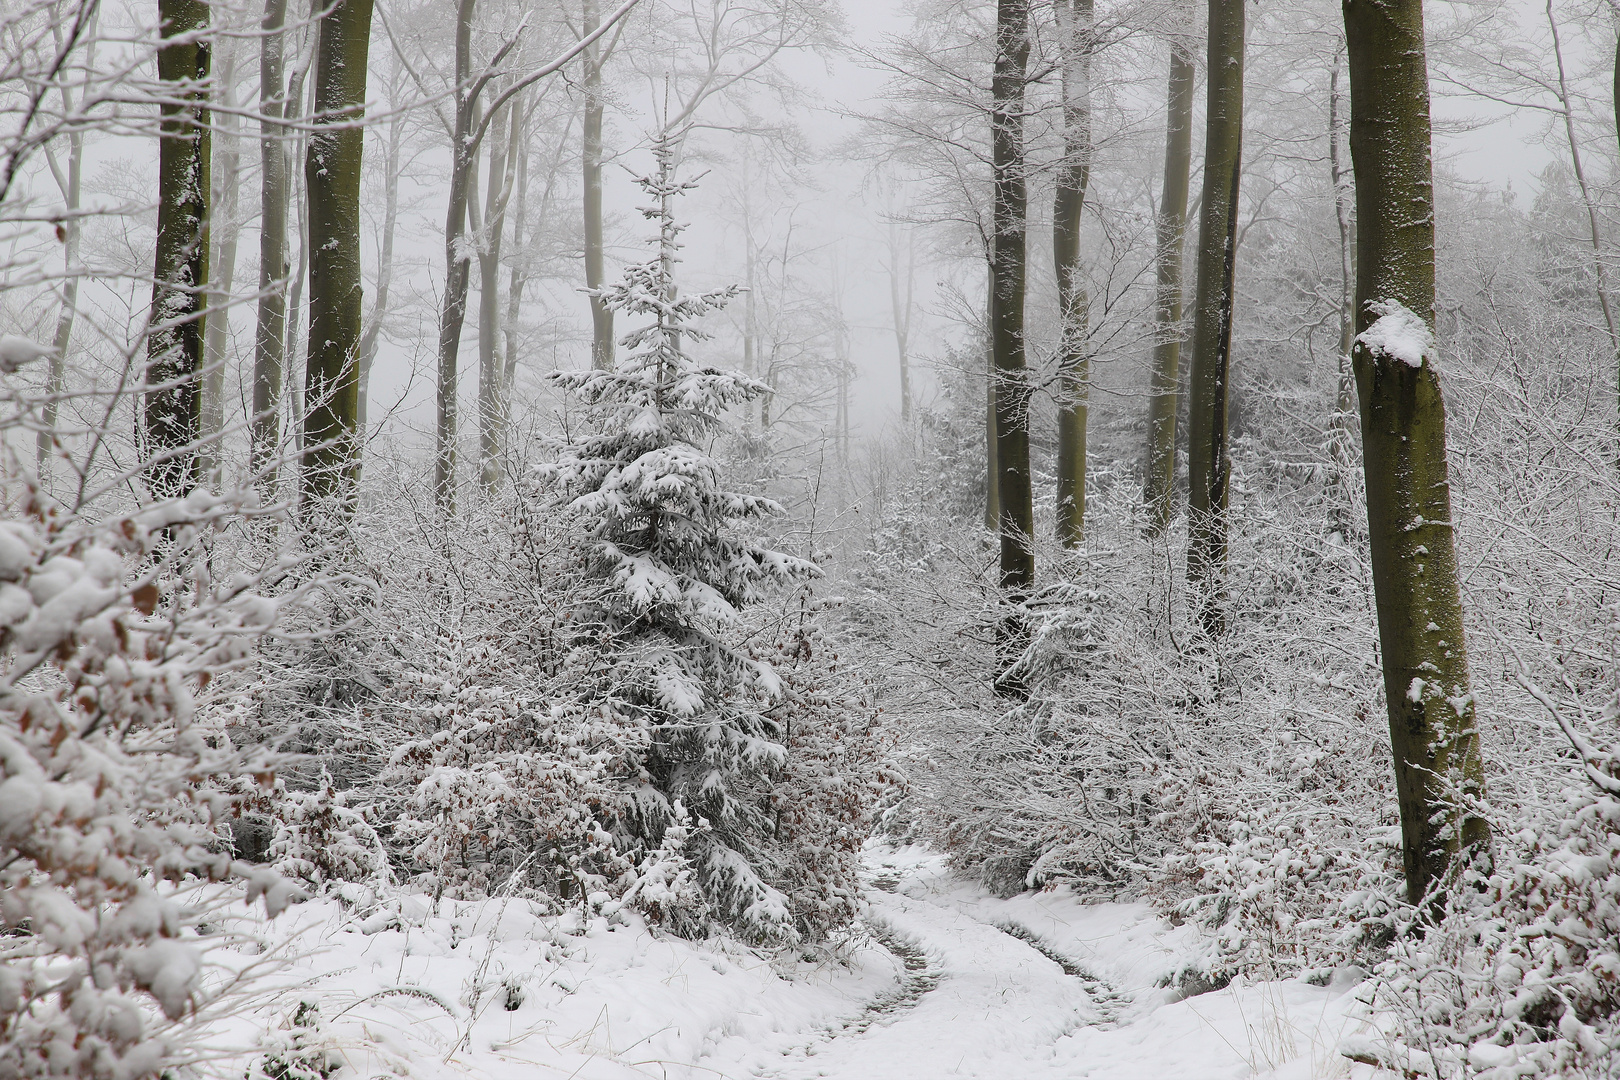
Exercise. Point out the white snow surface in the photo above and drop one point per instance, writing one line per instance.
(1399, 333)
(943, 980)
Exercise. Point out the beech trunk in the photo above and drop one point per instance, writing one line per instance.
(1208, 463)
(172, 405)
(1438, 768)
(331, 462)
(1008, 274)
(1074, 352)
(1163, 405)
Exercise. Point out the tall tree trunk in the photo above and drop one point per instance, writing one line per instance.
(992, 475)
(768, 398)
(1159, 493)
(1438, 769)
(385, 265)
(56, 379)
(502, 178)
(1208, 462)
(1074, 356)
(298, 103)
(1342, 441)
(331, 464)
(172, 407)
(457, 262)
(841, 418)
(224, 229)
(750, 293)
(900, 303)
(601, 314)
(270, 337)
(514, 282)
(1008, 270)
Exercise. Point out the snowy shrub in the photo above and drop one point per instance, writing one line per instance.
(1522, 976)
(664, 539)
(836, 773)
(321, 839)
(114, 779)
(465, 752)
(502, 781)
(298, 1050)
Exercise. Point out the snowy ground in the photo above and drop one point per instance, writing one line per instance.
(947, 982)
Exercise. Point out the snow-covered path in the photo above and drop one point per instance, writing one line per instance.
(952, 982)
(1039, 986)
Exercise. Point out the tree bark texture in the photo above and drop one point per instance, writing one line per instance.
(602, 346)
(1159, 491)
(331, 463)
(173, 400)
(1438, 769)
(992, 485)
(1008, 273)
(1074, 354)
(270, 334)
(1208, 460)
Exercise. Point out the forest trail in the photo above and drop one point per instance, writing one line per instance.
(1041, 986)
(942, 980)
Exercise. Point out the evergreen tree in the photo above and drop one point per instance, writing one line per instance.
(662, 539)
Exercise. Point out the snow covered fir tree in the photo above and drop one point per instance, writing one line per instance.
(665, 540)
(768, 538)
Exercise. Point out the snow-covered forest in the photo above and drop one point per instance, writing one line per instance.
(622, 539)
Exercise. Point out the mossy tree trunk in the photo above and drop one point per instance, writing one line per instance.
(1208, 459)
(1438, 769)
(1008, 273)
(172, 404)
(1075, 40)
(331, 463)
(1159, 489)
